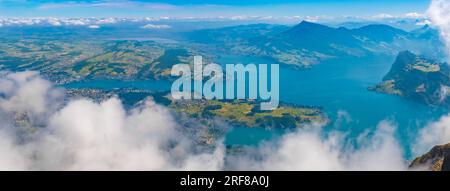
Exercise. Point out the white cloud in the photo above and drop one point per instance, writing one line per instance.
(424, 22)
(27, 92)
(439, 14)
(94, 26)
(111, 4)
(391, 17)
(84, 135)
(75, 21)
(54, 22)
(309, 150)
(165, 18)
(239, 17)
(104, 137)
(11, 158)
(66, 21)
(414, 15)
(342, 118)
(154, 26)
(436, 133)
(106, 21)
(383, 16)
(312, 18)
(150, 19)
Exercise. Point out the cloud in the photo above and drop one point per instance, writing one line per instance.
(424, 22)
(67, 21)
(94, 26)
(415, 15)
(11, 158)
(101, 136)
(27, 92)
(312, 19)
(106, 21)
(54, 22)
(439, 14)
(85, 135)
(309, 150)
(383, 16)
(90, 136)
(435, 133)
(248, 18)
(386, 16)
(342, 118)
(111, 4)
(153, 26)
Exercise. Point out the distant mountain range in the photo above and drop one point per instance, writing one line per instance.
(68, 53)
(417, 78)
(308, 43)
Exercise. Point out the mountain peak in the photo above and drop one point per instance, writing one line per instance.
(308, 26)
(417, 78)
(404, 58)
(426, 26)
(381, 27)
(437, 159)
(305, 23)
(406, 53)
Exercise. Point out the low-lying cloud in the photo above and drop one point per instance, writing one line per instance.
(308, 149)
(153, 26)
(435, 133)
(27, 92)
(111, 4)
(85, 135)
(439, 13)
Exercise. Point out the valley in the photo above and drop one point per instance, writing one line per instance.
(324, 75)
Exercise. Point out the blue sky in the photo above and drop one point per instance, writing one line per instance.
(204, 8)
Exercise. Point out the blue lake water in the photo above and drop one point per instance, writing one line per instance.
(338, 86)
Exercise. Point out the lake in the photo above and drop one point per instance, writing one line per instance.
(339, 86)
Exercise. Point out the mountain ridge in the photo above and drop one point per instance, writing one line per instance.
(417, 78)
(437, 159)
(308, 43)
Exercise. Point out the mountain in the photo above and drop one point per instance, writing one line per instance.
(417, 78)
(353, 24)
(307, 31)
(317, 37)
(70, 53)
(427, 41)
(437, 159)
(307, 43)
(310, 43)
(426, 32)
(233, 34)
(380, 33)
